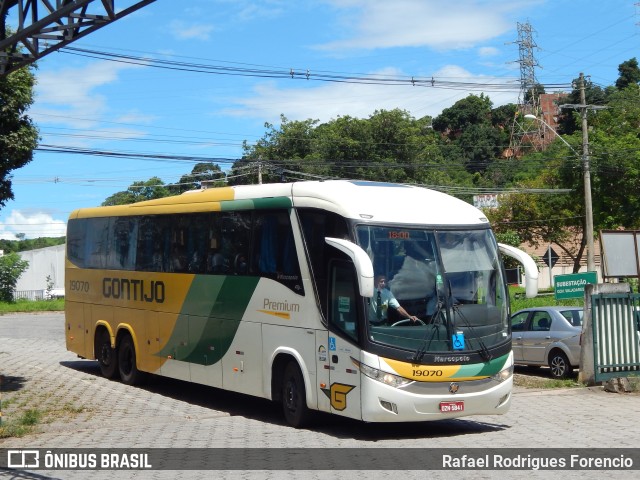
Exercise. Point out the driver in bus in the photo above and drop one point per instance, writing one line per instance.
(382, 300)
(416, 279)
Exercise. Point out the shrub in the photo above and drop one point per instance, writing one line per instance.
(11, 267)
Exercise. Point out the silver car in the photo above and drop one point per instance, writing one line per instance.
(548, 336)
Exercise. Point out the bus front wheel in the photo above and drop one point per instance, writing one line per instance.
(294, 398)
(106, 355)
(129, 372)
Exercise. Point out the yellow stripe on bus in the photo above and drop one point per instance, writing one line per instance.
(283, 315)
(423, 373)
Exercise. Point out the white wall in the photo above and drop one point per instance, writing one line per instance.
(43, 262)
(544, 281)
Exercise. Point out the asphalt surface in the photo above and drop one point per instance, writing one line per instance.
(84, 410)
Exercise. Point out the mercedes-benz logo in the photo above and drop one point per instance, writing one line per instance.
(454, 387)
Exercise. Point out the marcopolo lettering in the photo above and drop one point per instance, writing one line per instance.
(132, 289)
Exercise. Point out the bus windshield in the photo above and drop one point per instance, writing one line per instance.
(436, 290)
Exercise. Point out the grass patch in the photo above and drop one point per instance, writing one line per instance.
(55, 305)
(23, 425)
(565, 383)
(545, 298)
(30, 419)
(533, 381)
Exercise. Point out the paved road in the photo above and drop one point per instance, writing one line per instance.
(86, 410)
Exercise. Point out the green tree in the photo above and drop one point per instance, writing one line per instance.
(11, 267)
(139, 192)
(279, 150)
(470, 129)
(534, 93)
(18, 134)
(472, 110)
(390, 146)
(201, 172)
(629, 74)
(569, 122)
(615, 160)
(547, 217)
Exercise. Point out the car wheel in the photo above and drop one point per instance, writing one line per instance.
(294, 398)
(107, 357)
(559, 364)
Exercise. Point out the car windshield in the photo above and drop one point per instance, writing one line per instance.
(436, 290)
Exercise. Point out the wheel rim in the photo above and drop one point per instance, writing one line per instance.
(558, 366)
(126, 362)
(106, 355)
(291, 396)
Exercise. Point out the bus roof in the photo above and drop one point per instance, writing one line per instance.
(360, 200)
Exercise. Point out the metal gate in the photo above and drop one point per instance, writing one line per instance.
(616, 333)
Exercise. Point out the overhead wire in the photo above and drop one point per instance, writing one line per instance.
(303, 74)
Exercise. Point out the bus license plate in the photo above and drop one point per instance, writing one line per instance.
(451, 407)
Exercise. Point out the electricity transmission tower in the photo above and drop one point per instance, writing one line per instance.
(45, 26)
(528, 99)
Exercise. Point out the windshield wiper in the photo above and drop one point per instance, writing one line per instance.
(435, 321)
(483, 350)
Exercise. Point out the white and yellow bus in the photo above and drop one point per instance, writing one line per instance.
(268, 290)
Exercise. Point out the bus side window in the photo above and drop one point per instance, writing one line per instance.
(76, 238)
(97, 242)
(123, 244)
(197, 242)
(266, 253)
(316, 225)
(152, 256)
(343, 312)
(236, 235)
(274, 250)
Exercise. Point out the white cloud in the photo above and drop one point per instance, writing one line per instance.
(33, 224)
(488, 51)
(70, 96)
(439, 24)
(185, 31)
(327, 101)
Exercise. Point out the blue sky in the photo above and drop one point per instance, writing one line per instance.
(94, 104)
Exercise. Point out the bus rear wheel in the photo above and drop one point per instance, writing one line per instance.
(294, 398)
(106, 355)
(129, 372)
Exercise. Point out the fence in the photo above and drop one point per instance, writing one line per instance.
(38, 294)
(610, 341)
(29, 294)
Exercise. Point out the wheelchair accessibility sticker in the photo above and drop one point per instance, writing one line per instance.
(458, 341)
(332, 344)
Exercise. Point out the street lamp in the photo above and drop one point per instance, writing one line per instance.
(588, 208)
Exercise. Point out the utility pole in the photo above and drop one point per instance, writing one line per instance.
(586, 171)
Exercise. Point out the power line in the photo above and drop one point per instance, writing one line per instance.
(301, 74)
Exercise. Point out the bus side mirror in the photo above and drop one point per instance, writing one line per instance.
(362, 262)
(530, 268)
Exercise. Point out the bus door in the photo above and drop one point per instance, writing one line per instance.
(344, 377)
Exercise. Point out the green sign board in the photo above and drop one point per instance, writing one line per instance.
(572, 286)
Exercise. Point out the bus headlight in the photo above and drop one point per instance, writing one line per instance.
(380, 376)
(503, 374)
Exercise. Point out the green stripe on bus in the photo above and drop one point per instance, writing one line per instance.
(216, 307)
(274, 202)
(482, 369)
(255, 204)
